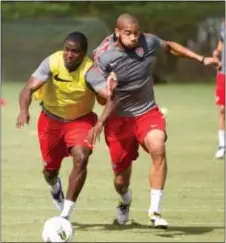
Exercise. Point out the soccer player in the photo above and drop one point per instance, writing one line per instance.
(131, 116)
(66, 116)
(220, 93)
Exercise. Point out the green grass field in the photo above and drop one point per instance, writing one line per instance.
(194, 194)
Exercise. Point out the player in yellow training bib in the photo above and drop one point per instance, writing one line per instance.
(66, 116)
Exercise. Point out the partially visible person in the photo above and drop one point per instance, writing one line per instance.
(219, 52)
(65, 119)
(3, 102)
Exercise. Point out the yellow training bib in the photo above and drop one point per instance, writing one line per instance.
(65, 94)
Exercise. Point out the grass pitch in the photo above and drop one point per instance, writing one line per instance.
(194, 194)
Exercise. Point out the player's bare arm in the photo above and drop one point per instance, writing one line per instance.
(112, 101)
(179, 50)
(35, 82)
(110, 106)
(103, 94)
(218, 50)
(25, 99)
(94, 133)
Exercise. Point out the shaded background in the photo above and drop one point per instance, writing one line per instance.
(33, 30)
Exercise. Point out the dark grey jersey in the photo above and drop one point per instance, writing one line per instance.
(133, 69)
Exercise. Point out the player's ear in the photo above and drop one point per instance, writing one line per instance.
(116, 32)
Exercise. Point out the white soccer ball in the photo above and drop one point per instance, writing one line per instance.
(57, 229)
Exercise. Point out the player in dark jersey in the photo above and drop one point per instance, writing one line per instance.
(131, 116)
(220, 93)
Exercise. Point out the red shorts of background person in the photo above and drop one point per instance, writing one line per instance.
(220, 89)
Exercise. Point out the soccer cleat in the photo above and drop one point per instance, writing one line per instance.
(58, 198)
(157, 221)
(220, 153)
(122, 213)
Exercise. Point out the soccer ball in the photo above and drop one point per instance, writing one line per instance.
(57, 229)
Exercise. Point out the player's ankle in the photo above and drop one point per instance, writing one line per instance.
(126, 197)
(67, 209)
(153, 214)
(55, 187)
(155, 201)
(221, 138)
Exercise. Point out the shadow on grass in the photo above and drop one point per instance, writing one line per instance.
(168, 233)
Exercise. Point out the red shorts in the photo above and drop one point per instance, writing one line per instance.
(220, 89)
(56, 137)
(124, 135)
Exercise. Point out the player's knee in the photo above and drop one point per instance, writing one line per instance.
(222, 110)
(50, 174)
(80, 158)
(121, 183)
(155, 143)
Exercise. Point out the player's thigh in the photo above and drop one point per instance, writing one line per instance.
(80, 155)
(151, 131)
(76, 132)
(220, 89)
(121, 141)
(154, 142)
(51, 142)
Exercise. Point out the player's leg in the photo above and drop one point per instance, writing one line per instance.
(220, 101)
(75, 136)
(56, 190)
(77, 178)
(122, 184)
(155, 143)
(123, 149)
(221, 132)
(151, 134)
(53, 150)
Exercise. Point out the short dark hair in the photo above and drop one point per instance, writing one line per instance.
(79, 38)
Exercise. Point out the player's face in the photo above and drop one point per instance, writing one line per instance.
(129, 36)
(73, 55)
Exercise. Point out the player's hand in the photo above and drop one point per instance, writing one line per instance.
(212, 61)
(111, 83)
(94, 133)
(216, 53)
(22, 119)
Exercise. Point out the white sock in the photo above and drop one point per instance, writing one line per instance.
(127, 197)
(155, 201)
(55, 188)
(221, 138)
(67, 210)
